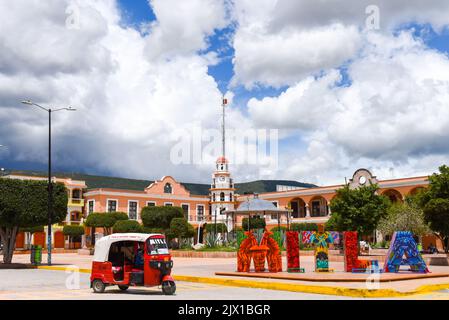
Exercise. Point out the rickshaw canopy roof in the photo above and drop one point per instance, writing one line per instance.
(103, 245)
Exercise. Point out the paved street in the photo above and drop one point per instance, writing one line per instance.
(48, 285)
(201, 267)
(59, 285)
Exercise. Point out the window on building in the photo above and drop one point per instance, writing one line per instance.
(230, 197)
(185, 209)
(200, 212)
(168, 204)
(76, 194)
(315, 208)
(91, 206)
(274, 216)
(132, 210)
(112, 205)
(222, 196)
(151, 204)
(213, 197)
(168, 188)
(75, 216)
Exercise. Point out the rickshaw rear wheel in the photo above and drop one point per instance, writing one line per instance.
(168, 288)
(98, 286)
(123, 288)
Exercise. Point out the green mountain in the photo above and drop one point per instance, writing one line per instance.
(94, 182)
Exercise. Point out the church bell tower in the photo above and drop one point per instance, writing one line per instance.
(222, 187)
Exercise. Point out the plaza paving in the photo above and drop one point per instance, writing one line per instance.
(201, 267)
(35, 284)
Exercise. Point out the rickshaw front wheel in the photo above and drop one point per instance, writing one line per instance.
(98, 286)
(168, 288)
(123, 288)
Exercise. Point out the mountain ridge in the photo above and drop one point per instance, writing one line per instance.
(95, 182)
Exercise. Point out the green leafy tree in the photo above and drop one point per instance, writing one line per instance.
(160, 217)
(407, 216)
(125, 226)
(255, 223)
(73, 231)
(435, 203)
(24, 203)
(357, 209)
(104, 220)
(180, 228)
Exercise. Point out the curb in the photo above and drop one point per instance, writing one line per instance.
(327, 290)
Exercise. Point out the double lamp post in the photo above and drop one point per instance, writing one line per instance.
(50, 185)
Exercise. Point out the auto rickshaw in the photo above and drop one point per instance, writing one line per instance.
(132, 259)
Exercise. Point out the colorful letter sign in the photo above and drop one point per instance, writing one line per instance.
(403, 251)
(321, 239)
(351, 250)
(267, 249)
(293, 251)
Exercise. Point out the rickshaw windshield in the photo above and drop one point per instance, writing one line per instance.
(157, 246)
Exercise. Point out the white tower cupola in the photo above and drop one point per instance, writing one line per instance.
(222, 187)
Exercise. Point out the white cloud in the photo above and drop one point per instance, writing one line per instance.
(283, 58)
(279, 42)
(181, 26)
(129, 102)
(133, 91)
(393, 113)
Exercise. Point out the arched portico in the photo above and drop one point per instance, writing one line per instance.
(414, 191)
(298, 207)
(318, 207)
(393, 194)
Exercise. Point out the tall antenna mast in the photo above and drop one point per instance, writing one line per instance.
(224, 102)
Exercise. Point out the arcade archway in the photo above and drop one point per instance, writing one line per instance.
(298, 207)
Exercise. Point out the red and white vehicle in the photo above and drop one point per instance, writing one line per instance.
(132, 259)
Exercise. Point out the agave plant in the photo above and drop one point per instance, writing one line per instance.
(211, 240)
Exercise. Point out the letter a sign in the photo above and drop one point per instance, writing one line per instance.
(403, 251)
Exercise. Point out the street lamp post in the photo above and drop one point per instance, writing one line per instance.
(2, 170)
(50, 184)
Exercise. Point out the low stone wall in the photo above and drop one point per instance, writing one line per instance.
(220, 254)
(202, 254)
(436, 260)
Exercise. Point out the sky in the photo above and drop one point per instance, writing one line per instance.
(337, 85)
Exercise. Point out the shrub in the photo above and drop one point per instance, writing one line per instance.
(181, 228)
(221, 228)
(160, 217)
(277, 228)
(125, 226)
(117, 215)
(73, 230)
(255, 223)
(105, 220)
(152, 230)
(304, 227)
